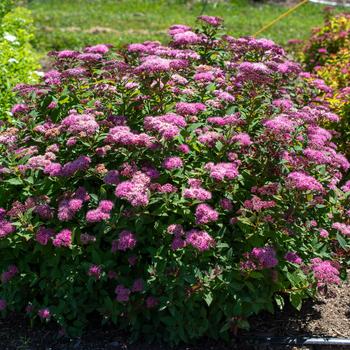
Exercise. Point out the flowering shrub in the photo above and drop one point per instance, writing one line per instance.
(327, 40)
(17, 59)
(174, 190)
(327, 55)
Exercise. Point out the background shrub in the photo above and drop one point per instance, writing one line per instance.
(327, 40)
(327, 55)
(17, 59)
(174, 190)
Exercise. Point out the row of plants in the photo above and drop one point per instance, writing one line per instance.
(173, 190)
(18, 61)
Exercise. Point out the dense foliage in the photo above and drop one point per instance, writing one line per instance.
(327, 40)
(327, 55)
(17, 59)
(175, 190)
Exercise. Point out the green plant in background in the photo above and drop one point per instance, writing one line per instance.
(327, 41)
(68, 24)
(17, 58)
(327, 55)
(5, 7)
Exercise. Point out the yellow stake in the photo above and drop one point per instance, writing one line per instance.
(280, 17)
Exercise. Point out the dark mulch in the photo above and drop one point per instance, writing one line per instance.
(327, 316)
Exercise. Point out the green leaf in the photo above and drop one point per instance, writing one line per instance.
(208, 298)
(296, 300)
(15, 181)
(342, 241)
(225, 327)
(279, 301)
(194, 126)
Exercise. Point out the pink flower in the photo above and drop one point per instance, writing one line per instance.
(222, 171)
(242, 139)
(186, 38)
(226, 204)
(95, 271)
(80, 124)
(126, 241)
(341, 227)
(122, 293)
(44, 314)
(134, 191)
(101, 213)
(324, 233)
(137, 285)
(63, 239)
(178, 243)
(6, 228)
(171, 163)
(303, 182)
(151, 302)
(325, 272)
(212, 20)
(101, 49)
(293, 258)
(200, 240)
(7, 275)
(43, 235)
(256, 204)
(205, 214)
(260, 258)
(187, 108)
(198, 193)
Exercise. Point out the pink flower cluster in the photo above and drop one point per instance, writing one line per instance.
(325, 272)
(196, 192)
(168, 125)
(134, 191)
(205, 214)
(125, 241)
(101, 213)
(341, 227)
(6, 227)
(199, 239)
(259, 259)
(80, 124)
(293, 258)
(123, 136)
(63, 239)
(303, 182)
(70, 205)
(95, 271)
(187, 108)
(7, 275)
(171, 163)
(222, 171)
(256, 204)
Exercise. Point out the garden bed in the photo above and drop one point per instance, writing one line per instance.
(328, 316)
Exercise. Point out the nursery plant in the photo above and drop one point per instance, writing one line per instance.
(172, 190)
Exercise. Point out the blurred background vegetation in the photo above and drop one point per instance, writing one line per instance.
(63, 24)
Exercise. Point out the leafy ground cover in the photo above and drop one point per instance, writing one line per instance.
(64, 24)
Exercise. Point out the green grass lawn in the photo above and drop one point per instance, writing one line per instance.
(76, 23)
